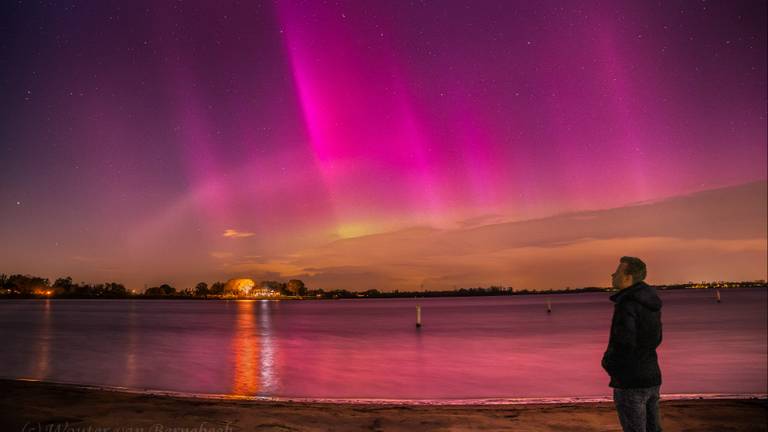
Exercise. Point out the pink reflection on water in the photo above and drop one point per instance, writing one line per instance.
(246, 352)
(468, 348)
(253, 350)
(42, 365)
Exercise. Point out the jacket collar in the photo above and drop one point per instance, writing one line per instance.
(619, 296)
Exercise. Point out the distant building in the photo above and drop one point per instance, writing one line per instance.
(244, 287)
(263, 291)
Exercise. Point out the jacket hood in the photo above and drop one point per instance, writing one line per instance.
(641, 293)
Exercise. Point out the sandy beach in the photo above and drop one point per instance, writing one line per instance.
(39, 407)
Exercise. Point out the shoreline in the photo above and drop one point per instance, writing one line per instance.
(36, 406)
(419, 295)
(554, 400)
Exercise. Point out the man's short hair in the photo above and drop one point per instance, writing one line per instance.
(635, 268)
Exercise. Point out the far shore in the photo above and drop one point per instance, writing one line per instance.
(32, 406)
(381, 295)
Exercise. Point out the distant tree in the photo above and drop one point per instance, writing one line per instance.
(167, 289)
(26, 285)
(283, 288)
(275, 286)
(201, 289)
(113, 289)
(64, 285)
(341, 293)
(217, 288)
(81, 290)
(154, 291)
(296, 287)
(162, 290)
(316, 292)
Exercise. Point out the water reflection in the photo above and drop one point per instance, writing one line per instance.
(253, 350)
(130, 351)
(473, 347)
(268, 375)
(43, 364)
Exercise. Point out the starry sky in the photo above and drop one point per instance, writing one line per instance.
(382, 144)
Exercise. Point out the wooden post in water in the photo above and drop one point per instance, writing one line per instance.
(418, 316)
(717, 295)
(549, 306)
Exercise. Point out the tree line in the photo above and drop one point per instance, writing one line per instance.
(27, 286)
(293, 287)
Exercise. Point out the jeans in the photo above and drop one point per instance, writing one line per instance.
(638, 409)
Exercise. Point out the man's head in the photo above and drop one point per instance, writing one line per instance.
(630, 271)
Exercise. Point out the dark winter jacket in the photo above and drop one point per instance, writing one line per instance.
(631, 359)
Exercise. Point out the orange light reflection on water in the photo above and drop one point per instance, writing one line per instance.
(246, 351)
(253, 349)
(42, 366)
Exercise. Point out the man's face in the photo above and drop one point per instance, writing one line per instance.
(619, 279)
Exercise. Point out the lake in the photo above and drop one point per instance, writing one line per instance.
(468, 348)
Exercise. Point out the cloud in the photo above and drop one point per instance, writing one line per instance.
(481, 220)
(221, 254)
(248, 265)
(357, 278)
(230, 233)
(715, 234)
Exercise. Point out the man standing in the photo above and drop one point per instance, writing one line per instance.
(631, 359)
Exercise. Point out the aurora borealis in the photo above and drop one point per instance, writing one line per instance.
(378, 144)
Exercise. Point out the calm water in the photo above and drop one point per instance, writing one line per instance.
(468, 348)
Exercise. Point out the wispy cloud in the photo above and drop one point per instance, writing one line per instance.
(221, 254)
(716, 234)
(259, 265)
(231, 233)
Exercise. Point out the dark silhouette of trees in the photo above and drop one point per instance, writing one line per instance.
(217, 288)
(163, 290)
(201, 289)
(114, 290)
(26, 285)
(153, 291)
(280, 287)
(63, 285)
(167, 289)
(33, 286)
(297, 287)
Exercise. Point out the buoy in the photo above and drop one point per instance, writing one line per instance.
(549, 306)
(418, 316)
(717, 295)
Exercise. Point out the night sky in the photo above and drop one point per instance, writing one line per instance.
(383, 144)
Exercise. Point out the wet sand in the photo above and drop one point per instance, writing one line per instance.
(42, 407)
